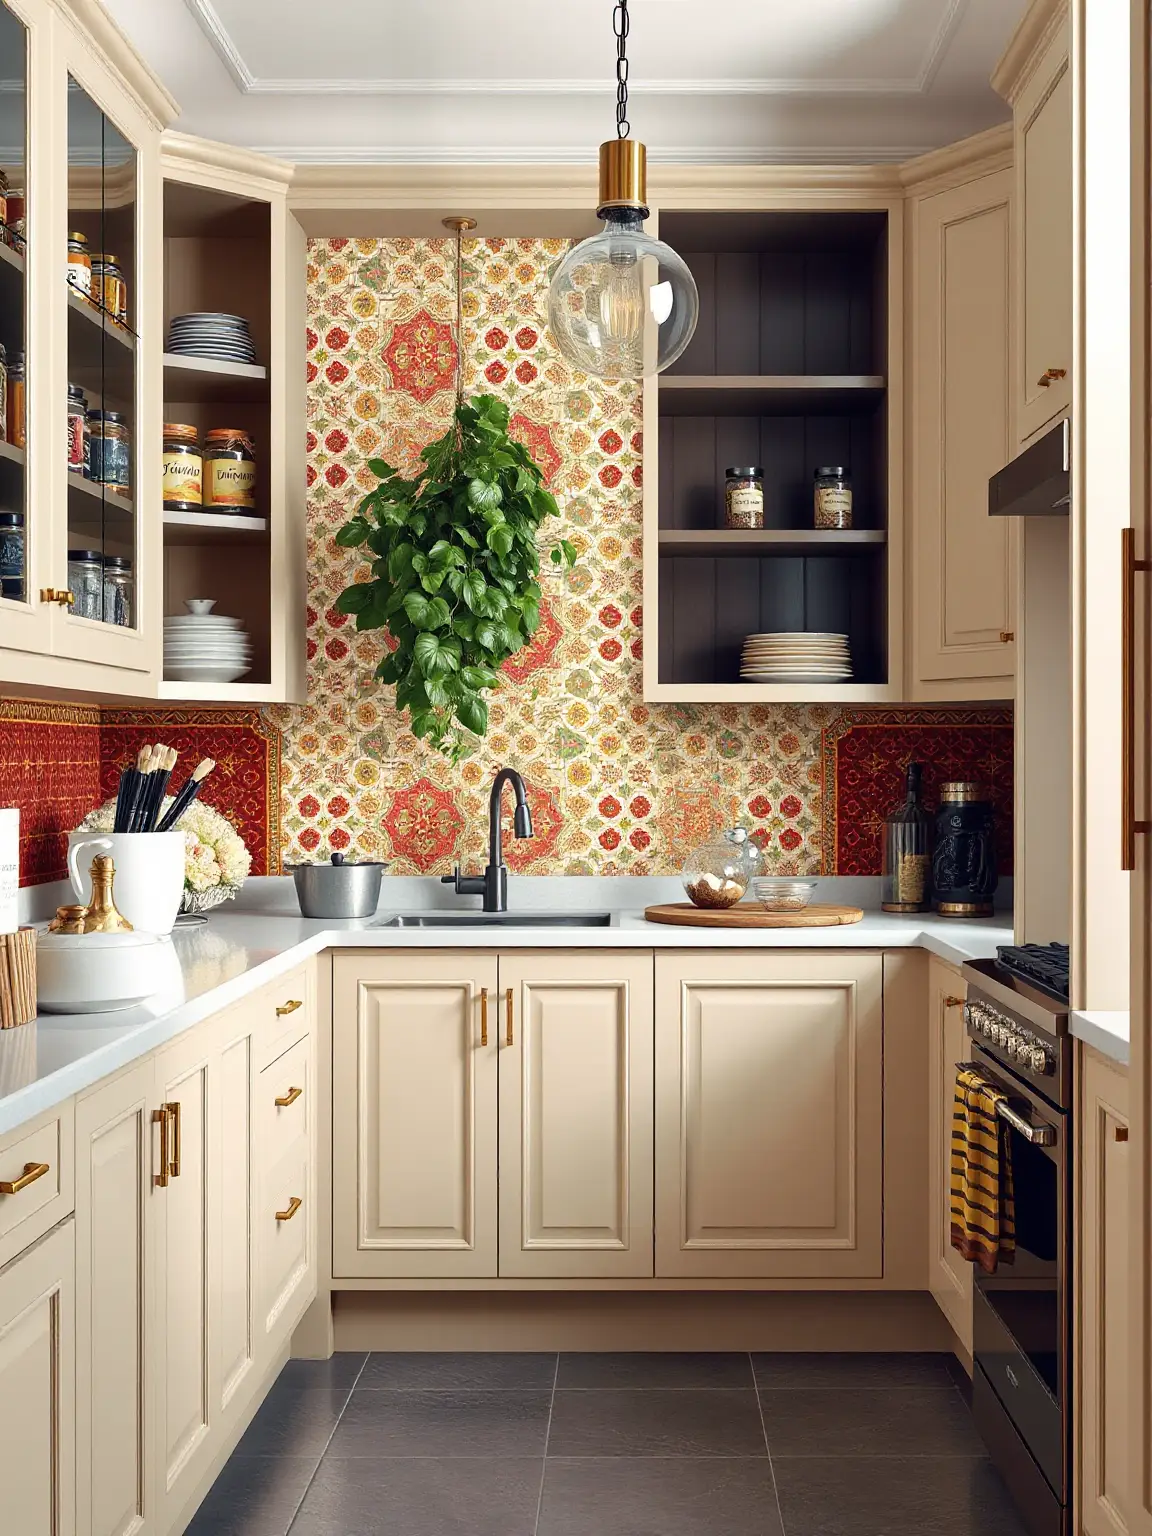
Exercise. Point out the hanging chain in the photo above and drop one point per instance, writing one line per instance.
(620, 29)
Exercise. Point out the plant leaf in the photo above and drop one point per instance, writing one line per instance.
(484, 495)
(472, 713)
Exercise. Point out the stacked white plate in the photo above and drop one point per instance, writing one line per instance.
(796, 656)
(224, 338)
(205, 647)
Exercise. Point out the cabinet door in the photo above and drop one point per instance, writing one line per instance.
(769, 1114)
(1043, 139)
(232, 1280)
(116, 1153)
(284, 1214)
(414, 1114)
(1105, 1314)
(964, 566)
(575, 1040)
(37, 1389)
(949, 1276)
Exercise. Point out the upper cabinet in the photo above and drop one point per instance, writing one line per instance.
(1035, 77)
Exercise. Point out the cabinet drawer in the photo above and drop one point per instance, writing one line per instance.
(285, 1102)
(283, 1014)
(283, 1224)
(40, 1199)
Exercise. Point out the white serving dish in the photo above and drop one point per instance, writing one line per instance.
(101, 972)
(203, 674)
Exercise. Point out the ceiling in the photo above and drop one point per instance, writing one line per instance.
(742, 81)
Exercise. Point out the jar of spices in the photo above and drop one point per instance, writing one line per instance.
(117, 590)
(183, 468)
(16, 219)
(229, 471)
(744, 497)
(833, 498)
(109, 289)
(109, 449)
(79, 263)
(3, 201)
(3, 394)
(86, 582)
(77, 430)
(12, 555)
(15, 418)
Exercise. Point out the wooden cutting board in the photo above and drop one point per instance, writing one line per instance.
(745, 915)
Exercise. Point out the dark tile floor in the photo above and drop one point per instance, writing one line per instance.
(612, 1445)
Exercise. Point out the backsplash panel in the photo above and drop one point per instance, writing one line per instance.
(49, 770)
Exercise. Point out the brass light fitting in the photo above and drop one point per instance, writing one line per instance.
(623, 176)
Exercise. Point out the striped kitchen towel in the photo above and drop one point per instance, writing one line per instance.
(982, 1200)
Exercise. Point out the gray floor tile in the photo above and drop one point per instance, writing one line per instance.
(916, 1496)
(339, 1371)
(893, 1423)
(853, 1372)
(294, 1421)
(461, 1372)
(422, 1497)
(654, 1370)
(441, 1423)
(254, 1496)
(653, 1496)
(623, 1422)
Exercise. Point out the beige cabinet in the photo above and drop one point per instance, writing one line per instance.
(37, 1388)
(949, 1276)
(236, 1149)
(769, 1114)
(414, 1127)
(1104, 1311)
(575, 1051)
(284, 1210)
(963, 561)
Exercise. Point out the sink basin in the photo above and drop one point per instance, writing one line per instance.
(498, 920)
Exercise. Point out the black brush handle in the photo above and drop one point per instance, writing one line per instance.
(125, 797)
(156, 800)
(138, 790)
(184, 798)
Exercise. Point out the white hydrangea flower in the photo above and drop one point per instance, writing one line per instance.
(216, 859)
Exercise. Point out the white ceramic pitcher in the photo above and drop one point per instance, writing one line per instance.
(149, 874)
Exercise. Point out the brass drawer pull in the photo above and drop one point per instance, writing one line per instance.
(289, 1007)
(483, 1015)
(173, 1109)
(32, 1172)
(509, 1005)
(1050, 377)
(1007, 636)
(1130, 823)
(953, 1002)
(288, 1098)
(293, 1206)
(54, 595)
(160, 1118)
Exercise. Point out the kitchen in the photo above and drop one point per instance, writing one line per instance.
(440, 1185)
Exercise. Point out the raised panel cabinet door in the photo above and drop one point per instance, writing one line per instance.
(1105, 1319)
(38, 1388)
(965, 561)
(414, 1114)
(284, 1217)
(116, 1158)
(1044, 164)
(232, 1329)
(769, 1114)
(950, 1277)
(575, 1042)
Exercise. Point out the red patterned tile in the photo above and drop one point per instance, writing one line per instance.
(538, 440)
(421, 357)
(424, 823)
(49, 770)
(540, 652)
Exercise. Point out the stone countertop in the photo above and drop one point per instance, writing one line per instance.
(246, 945)
(1106, 1032)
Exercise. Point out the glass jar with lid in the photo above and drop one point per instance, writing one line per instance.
(86, 582)
(117, 590)
(109, 290)
(15, 420)
(719, 872)
(12, 555)
(79, 263)
(77, 430)
(229, 471)
(109, 450)
(832, 497)
(183, 468)
(744, 497)
(3, 394)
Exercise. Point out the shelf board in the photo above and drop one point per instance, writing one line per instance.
(218, 693)
(768, 395)
(773, 693)
(89, 490)
(213, 528)
(13, 454)
(203, 380)
(101, 356)
(101, 322)
(717, 542)
(11, 258)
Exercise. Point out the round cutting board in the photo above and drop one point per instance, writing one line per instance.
(749, 915)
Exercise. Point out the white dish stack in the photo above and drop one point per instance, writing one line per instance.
(205, 647)
(223, 338)
(796, 656)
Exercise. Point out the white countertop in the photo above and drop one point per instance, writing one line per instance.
(1106, 1032)
(262, 936)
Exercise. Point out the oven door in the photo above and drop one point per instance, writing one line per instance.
(1022, 1332)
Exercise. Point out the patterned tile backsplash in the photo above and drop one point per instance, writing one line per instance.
(616, 785)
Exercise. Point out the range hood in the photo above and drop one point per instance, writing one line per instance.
(1037, 483)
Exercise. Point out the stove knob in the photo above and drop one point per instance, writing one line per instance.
(1015, 1047)
(1038, 1059)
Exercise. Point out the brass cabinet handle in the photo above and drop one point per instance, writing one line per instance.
(160, 1118)
(288, 1098)
(953, 1002)
(1050, 376)
(508, 997)
(293, 1206)
(1121, 1133)
(1007, 636)
(289, 1007)
(57, 595)
(1129, 824)
(483, 1015)
(173, 1109)
(32, 1172)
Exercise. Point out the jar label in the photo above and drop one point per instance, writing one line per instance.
(745, 507)
(833, 507)
(183, 478)
(231, 483)
(80, 276)
(76, 442)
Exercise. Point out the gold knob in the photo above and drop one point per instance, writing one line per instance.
(1007, 636)
(288, 1007)
(32, 1172)
(953, 1002)
(483, 1015)
(57, 595)
(173, 1110)
(293, 1206)
(160, 1118)
(1050, 376)
(288, 1098)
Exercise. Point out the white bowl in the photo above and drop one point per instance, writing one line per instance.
(100, 972)
(188, 673)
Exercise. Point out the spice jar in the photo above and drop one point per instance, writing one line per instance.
(79, 264)
(77, 430)
(109, 289)
(183, 468)
(15, 236)
(109, 450)
(117, 590)
(86, 582)
(229, 471)
(3, 394)
(3, 201)
(12, 555)
(718, 873)
(833, 498)
(15, 418)
(744, 497)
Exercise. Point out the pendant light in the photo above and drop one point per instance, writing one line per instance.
(622, 305)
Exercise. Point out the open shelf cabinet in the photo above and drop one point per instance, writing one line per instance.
(795, 364)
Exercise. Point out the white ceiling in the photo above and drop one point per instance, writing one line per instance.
(455, 80)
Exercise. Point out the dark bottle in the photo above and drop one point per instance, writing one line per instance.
(907, 851)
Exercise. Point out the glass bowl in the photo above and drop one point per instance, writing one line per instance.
(783, 893)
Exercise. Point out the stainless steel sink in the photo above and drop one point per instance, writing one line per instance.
(498, 920)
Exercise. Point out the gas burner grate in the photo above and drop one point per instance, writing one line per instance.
(1043, 966)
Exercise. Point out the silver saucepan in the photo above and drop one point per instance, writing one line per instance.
(338, 889)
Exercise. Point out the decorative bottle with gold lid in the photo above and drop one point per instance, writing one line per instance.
(907, 852)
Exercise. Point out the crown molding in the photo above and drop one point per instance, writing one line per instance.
(940, 169)
(96, 27)
(183, 152)
(339, 160)
(217, 34)
(1038, 26)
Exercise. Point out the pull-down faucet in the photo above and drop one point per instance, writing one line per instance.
(493, 883)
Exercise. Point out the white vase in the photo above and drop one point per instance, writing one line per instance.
(149, 874)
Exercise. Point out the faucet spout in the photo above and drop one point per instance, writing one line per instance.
(522, 819)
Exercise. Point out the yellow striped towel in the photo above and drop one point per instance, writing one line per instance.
(982, 1199)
